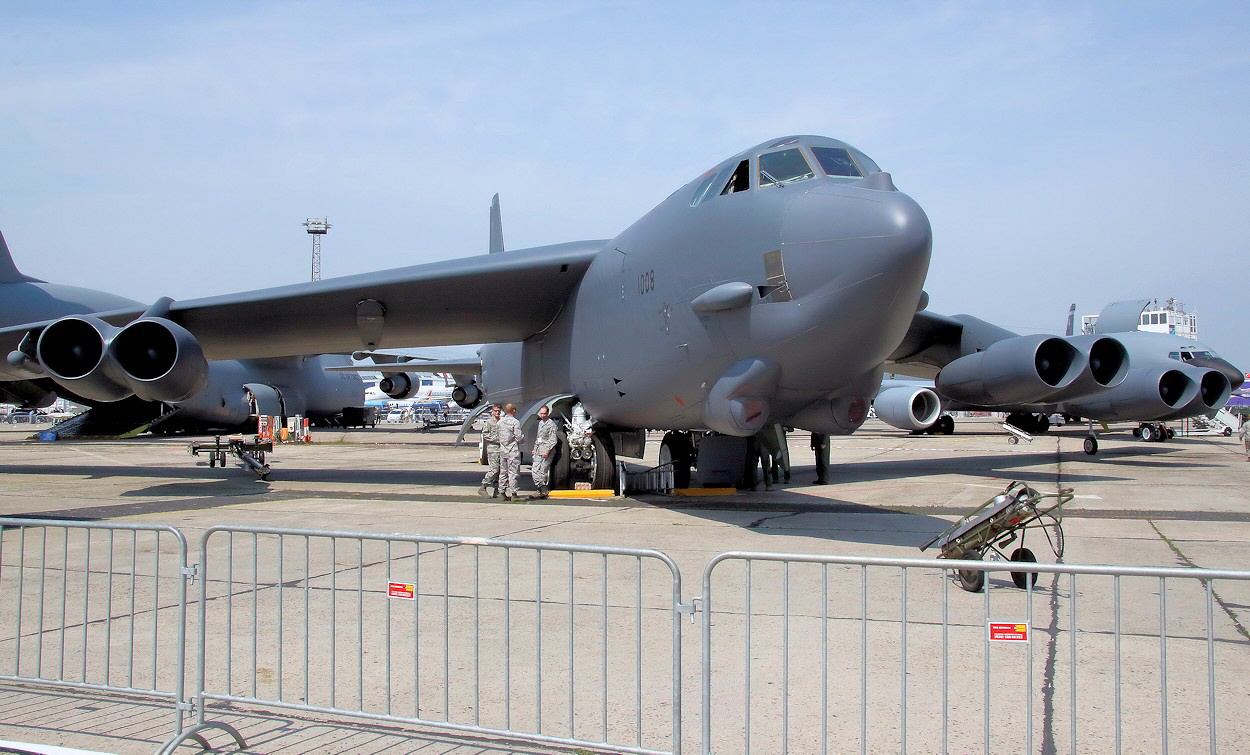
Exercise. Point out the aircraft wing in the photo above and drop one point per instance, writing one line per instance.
(490, 298)
(932, 341)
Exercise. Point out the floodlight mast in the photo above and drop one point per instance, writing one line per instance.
(317, 227)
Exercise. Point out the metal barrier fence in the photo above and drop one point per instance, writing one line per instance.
(94, 606)
(564, 644)
(818, 654)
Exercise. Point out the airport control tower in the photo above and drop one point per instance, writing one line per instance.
(1148, 315)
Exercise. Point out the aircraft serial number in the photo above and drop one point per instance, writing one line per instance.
(646, 282)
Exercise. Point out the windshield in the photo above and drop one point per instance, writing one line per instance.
(783, 167)
(837, 162)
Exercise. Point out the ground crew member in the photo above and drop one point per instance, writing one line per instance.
(544, 452)
(820, 447)
(509, 430)
(490, 444)
(1244, 432)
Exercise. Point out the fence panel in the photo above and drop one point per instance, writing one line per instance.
(98, 606)
(832, 654)
(553, 643)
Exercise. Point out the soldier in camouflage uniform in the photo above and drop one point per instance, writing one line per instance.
(510, 437)
(544, 452)
(490, 444)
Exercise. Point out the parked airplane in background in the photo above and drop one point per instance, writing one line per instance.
(776, 287)
(128, 389)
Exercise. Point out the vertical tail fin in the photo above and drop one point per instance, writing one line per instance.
(1071, 318)
(8, 271)
(496, 226)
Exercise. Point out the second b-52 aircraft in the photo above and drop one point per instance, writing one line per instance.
(776, 287)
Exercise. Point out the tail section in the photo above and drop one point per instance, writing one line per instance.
(8, 271)
(496, 226)
(1071, 318)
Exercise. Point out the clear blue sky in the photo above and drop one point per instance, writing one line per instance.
(1065, 152)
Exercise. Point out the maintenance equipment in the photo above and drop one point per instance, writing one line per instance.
(251, 453)
(997, 523)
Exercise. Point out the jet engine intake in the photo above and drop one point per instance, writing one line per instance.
(467, 396)
(1019, 370)
(74, 351)
(1105, 365)
(160, 360)
(908, 408)
(1146, 394)
(397, 385)
(741, 400)
(1213, 392)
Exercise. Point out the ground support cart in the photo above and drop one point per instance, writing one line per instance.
(995, 524)
(250, 452)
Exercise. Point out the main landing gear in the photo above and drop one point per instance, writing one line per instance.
(1154, 431)
(586, 455)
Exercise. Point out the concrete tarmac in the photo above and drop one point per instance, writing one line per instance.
(1185, 502)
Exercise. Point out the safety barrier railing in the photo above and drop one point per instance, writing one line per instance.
(833, 654)
(562, 644)
(97, 606)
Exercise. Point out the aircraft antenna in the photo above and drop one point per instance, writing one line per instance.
(317, 227)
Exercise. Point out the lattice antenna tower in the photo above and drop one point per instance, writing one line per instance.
(317, 227)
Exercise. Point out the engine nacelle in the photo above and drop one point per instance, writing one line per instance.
(1019, 370)
(1146, 394)
(397, 385)
(839, 416)
(160, 360)
(74, 351)
(908, 408)
(1213, 392)
(1105, 364)
(467, 396)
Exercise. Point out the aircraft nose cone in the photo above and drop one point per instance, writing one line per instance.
(1235, 376)
(881, 229)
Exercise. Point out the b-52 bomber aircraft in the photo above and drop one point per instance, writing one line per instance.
(773, 288)
(125, 395)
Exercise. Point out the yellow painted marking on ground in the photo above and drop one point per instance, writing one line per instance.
(582, 494)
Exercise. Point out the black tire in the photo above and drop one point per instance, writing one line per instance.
(971, 580)
(1041, 423)
(1091, 445)
(603, 474)
(676, 449)
(1147, 433)
(1023, 579)
(560, 463)
(1137, 433)
(1228, 432)
(946, 424)
(1012, 439)
(1167, 434)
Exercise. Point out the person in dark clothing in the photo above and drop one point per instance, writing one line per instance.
(820, 447)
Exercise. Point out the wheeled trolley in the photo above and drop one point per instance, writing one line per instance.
(251, 453)
(995, 524)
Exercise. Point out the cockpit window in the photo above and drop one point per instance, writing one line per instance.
(777, 168)
(704, 189)
(837, 162)
(740, 180)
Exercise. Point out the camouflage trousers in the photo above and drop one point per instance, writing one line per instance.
(540, 470)
(492, 473)
(509, 473)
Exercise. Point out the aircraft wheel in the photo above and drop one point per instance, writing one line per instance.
(1146, 433)
(1168, 433)
(603, 466)
(1041, 423)
(971, 580)
(1137, 432)
(677, 450)
(946, 424)
(1091, 445)
(560, 464)
(212, 462)
(1023, 579)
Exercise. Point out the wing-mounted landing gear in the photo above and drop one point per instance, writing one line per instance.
(1154, 431)
(1091, 440)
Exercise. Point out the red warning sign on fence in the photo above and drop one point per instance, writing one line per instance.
(405, 590)
(1002, 631)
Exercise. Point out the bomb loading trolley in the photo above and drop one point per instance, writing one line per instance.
(250, 452)
(995, 524)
